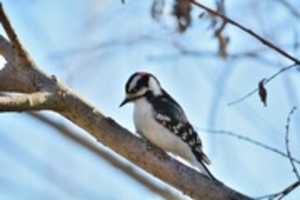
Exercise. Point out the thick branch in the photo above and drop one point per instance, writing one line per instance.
(148, 157)
(23, 76)
(17, 46)
(6, 49)
(102, 153)
(105, 130)
(28, 102)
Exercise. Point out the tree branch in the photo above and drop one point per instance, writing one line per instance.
(148, 157)
(259, 38)
(247, 30)
(280, 195)
(252, 141)
(28, 102)
(288, 151)
(17, 46)
(112, 159)
(294, 11)
(6, 49)
(266, 81)
(153, 160)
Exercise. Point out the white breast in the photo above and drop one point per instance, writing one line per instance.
(156, 133)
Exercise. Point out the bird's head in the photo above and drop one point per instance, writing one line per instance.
(139, 84)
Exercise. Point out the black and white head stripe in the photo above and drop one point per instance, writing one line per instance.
(136, 81)
(141, 80)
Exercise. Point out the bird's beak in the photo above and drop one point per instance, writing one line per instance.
(125, 101)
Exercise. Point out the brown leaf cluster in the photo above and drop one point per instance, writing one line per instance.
(182, 12)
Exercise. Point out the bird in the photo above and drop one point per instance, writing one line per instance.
(161, 120)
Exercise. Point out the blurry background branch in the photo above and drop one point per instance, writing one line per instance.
(293, 10)
(287, 143)
(247, 30)
(182, 12)
(280, 195)
(27, 78)
(252, 141)
(221, 13)
(265, 81)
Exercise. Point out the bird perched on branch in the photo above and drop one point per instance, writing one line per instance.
(161, 120)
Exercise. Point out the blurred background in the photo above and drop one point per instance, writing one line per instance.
(95, 45)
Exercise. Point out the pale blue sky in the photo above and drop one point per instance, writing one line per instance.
(94, 46)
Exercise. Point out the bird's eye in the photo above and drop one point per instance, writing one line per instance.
(133, 90)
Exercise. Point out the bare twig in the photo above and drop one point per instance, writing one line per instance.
(247, 30)
(13, 36)
(294, 11)
(258, 37)
(219, 32)
(249, 54)
(252, 141)
(288, 151)
(280, 195)
(266, 81)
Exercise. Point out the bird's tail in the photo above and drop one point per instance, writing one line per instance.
(203, 168)
(205, 159)
(201, 161)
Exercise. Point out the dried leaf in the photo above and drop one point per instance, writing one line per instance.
(262, 92)
(222, 39)
(201, 15)
(223, 44)
(182, 12)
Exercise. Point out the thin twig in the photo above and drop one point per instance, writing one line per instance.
(288, 151)
(258, 37)
(252, 141)
(280, 195)
(247, 30)
(267, 80)
(294, 11)
(219, 32)
(12, 35)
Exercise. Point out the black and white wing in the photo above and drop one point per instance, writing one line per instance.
(169, 113)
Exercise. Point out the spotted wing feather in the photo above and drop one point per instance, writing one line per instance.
(171, 115)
